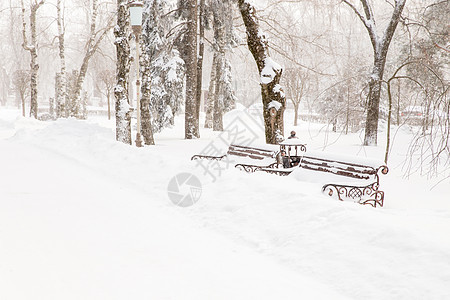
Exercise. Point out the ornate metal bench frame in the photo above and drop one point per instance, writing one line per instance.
(208, 157)
(368, 194)
(272, 168)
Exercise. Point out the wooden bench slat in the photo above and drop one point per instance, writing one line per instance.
(342, 173)
(327, 167)
(246, 153)
(351, 167)
(252, 148)
(233, 150)
(243, 151)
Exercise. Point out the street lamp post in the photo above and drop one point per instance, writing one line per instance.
(136, 8)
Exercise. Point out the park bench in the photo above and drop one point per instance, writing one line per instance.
(363, 186)
(365, 183)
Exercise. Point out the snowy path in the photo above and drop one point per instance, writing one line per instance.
(68, 233)
(116, 235)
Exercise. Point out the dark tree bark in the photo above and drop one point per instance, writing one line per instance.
(191, 119)
(123, 112)
(270, 74)
(380, 47)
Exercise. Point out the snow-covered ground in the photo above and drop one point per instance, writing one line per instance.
(85, 217)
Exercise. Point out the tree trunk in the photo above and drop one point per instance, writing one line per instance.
(60, 103)
(347, 115)
(398, 104)
(191, 120)
(22, 97)
(373, 105)
(76, 100)
(146, 120)
(270, 73)
(52, 107)
(220, 40)
(296, 105)
(84, 101)
(201, 51)
(91, 47)
(388, 131)
(210, 100)
(61, 98)
(32, 48)
(108, 99)
(218, 96)
(380, 47)
(123, 111)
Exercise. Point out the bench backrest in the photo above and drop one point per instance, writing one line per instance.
(338, 167)
(251, 152)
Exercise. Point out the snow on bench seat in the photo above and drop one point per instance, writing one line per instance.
(338, 157)
(255, 155)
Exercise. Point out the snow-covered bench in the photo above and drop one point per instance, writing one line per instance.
(364, 173)
(252, 152)
(364, 186)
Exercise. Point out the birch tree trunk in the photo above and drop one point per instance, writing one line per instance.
(201, 50)
(32, 48)
(220, 40)
(123, 111)
(210, 100)
(191, 120)
(218, 96)
(146, 120)
(62, 99)
(60, 107)
(273, 98)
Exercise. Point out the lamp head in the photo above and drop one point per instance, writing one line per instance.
(136, 9)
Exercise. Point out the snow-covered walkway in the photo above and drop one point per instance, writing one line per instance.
(84, 217)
